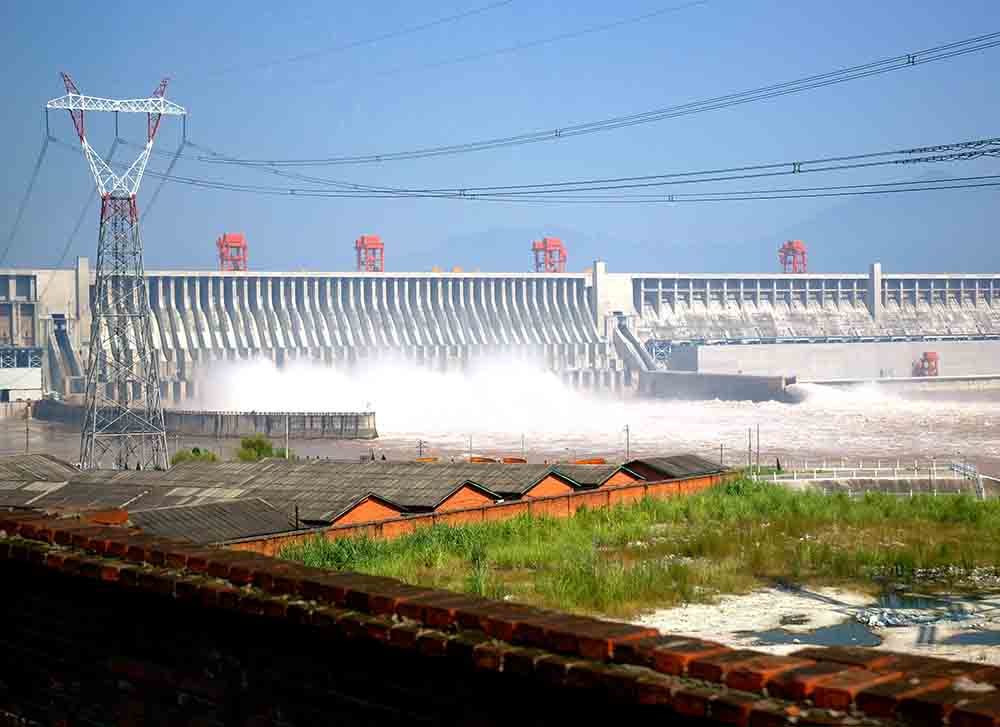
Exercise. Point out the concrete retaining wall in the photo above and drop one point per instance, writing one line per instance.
(689, 385)
(301, 425)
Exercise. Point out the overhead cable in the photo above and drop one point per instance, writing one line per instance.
(906, 60)
(526, 45)
(951, 152)
(19, 215)
(363, 42)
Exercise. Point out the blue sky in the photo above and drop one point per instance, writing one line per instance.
(390, 95)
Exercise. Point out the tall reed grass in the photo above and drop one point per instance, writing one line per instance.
(659, 553)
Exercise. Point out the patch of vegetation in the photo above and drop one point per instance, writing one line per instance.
(258, 447)
(195, 454)
(659, 553)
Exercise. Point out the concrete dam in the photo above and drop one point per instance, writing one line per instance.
(596, 329)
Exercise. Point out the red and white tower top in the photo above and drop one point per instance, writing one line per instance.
(155, 107)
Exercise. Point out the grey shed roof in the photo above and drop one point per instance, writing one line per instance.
(32, 467)
(319, 490)
(683, 465)
(215, 522)
(586, 475)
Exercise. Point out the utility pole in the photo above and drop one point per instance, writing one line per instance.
(420, 448)
(470, 447)
(286, 436)
(749, 448)
(628, 455)
(27, 420)
(758, 449)
(722, 456)
(522, 446)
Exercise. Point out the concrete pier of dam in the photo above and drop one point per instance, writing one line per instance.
(596, 330)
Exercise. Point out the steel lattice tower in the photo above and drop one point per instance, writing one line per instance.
(123, 418)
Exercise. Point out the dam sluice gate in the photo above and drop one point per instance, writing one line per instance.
(596, 330)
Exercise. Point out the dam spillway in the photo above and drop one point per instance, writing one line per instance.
(598, 328)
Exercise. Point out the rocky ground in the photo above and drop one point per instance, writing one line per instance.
(779, 621)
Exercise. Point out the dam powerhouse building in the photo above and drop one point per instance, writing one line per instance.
(597, 329)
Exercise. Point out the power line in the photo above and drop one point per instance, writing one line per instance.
(894, 63)
(541, 41)
(363, 42)
(955, 151)
(159, 187)
(960, 151)
(853, 190)
(19, 215)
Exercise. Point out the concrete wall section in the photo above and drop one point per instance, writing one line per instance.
(847, 360)
(681, 307)
(696, 386)
(565, 322)
(301, 425)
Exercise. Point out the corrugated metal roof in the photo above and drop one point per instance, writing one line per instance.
(215, 522)
(683, 465)
(24, 467)
(586, 475)
(321, 490)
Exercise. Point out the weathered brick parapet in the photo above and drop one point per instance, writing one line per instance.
(550, 506)
(107, 626)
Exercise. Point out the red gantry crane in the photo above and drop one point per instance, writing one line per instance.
(371, 254)
(792, 256)
(550, 255)
(233, 253)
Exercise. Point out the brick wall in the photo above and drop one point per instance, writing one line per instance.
(465, 497)
(106, 626)
(367, 510)
(552, 506)
(549, 486)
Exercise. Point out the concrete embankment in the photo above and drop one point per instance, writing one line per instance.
(300, 425)
(981, 382)
(690, 385)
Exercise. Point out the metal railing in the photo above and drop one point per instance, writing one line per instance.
(942, 477)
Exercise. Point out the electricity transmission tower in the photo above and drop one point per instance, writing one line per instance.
(123, 417)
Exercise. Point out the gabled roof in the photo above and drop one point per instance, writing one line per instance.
(321, 490)
(586, 475)
(676, 467)
(214, 522)
(339, 511)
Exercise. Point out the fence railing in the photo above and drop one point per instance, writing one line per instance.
(941, 477)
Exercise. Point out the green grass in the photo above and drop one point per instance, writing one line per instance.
(659, 553)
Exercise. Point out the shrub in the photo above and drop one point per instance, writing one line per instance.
(194, 454)
(255, 448)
